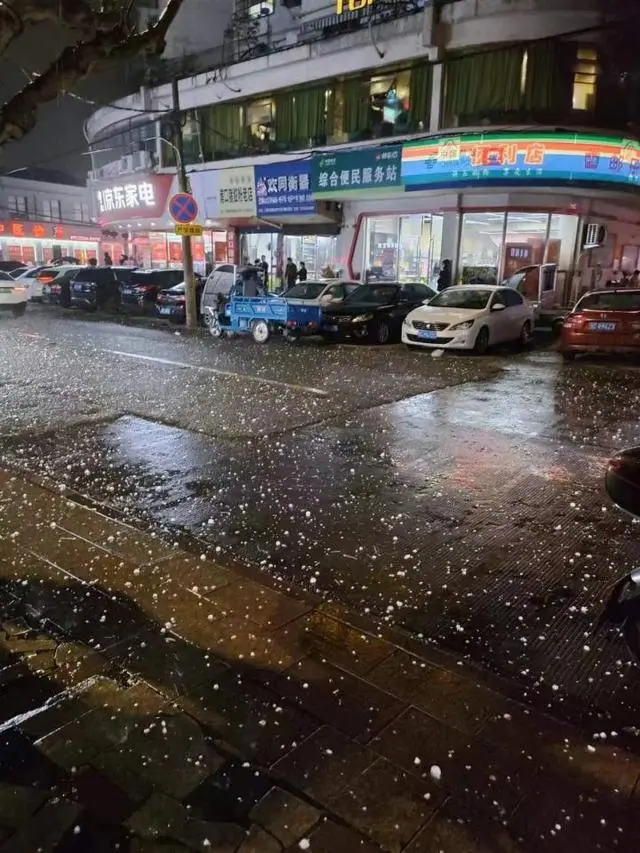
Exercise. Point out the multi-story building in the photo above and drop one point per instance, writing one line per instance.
(382, 136)
(45, 215)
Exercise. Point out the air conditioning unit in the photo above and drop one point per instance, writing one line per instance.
(593, 235)
(141, 161)
(126, 164)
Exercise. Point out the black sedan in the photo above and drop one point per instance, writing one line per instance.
(142, 290)
(172, 303)
(374, 312)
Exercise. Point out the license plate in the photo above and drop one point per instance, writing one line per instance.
(128, 292)
(602, 327)
(6, 290)
(77, 288)
(427, 334)
(332, 328)
(166, 309)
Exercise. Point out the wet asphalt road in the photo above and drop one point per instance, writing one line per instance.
(458, 498)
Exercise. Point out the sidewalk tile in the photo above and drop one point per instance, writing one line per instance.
(355, 707)
(130, 544)
(193, 573)
(77, 662)
(560, 816)
(453, 699)
(285, 816)
(45, 829)
(261, 605)
(17, 803)
(163, 817)
(78, 742)
(324, 764)
(447, 835)
(170, 752)
(388, 805)
(486, 782)
(563, 750)
(253, 719)
(175, 666)
(259, 841)
(24, 695)
(331, 837)
(100, 797)
(326, 639)
(21, 762)
(236, 639)
(229, 794)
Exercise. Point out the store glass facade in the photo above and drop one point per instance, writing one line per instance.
(494, 245)
(403, 248)
(318, 252)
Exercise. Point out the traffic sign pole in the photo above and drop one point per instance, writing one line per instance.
(189, 280)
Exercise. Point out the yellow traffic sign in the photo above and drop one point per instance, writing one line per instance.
(189, 230)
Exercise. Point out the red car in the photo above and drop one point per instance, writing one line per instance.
(603, 321)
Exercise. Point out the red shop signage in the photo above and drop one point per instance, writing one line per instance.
(46, 231)
(133, 197)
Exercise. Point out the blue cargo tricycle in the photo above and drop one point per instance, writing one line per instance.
(262, 316)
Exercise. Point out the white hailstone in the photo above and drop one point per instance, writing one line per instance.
(435, 773)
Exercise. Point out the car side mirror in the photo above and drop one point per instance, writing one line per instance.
(622, 480)
(499, 306)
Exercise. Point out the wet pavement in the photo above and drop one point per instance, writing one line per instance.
(459, 499)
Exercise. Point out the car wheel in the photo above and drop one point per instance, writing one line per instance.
(482, 341)
(381, 333)
(260, 331)
(569, 356)
(18, 310)
(526, 335)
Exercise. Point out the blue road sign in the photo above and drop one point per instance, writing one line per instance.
(183, 208)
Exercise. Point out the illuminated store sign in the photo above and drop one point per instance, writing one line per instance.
(351, 5)
(528, 158)
(127, 197)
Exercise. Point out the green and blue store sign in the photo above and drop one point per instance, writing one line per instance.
(499, 158)
(357, 173)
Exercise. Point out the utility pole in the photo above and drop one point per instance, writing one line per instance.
(183, 185)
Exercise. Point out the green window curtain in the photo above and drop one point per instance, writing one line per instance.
(549, 81)
(357, 102)
(309, 116)
(484, 83)
(420, 95)
(285, 118)
(222, 129)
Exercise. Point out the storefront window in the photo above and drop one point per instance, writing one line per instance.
(381, 248)
(480, 247)
(390, 102)
(525, 241)
(561, 245)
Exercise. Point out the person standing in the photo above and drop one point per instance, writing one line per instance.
(108, 262)
(264, 266)
(290, 273)
(302, 271)
(444, 279)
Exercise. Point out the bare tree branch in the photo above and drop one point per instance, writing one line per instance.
(104, 46)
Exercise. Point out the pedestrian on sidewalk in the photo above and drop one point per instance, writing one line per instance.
(444, 279)
(290, 273)
(302, 271)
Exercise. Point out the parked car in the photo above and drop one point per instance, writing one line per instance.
(320, 292)
(172, 302)
(29, 279)
(143, 286)
(13, 267)
(374, 312)
(470, 317)
(220, 282)
(96, 288)
(55, 282)
(13, 295)
(606, 321)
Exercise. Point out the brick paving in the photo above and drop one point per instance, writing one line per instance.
(153, 702)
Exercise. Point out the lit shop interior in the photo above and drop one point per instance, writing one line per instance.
(161, 249)
(491, 245)
(32, 251)
(319, 253)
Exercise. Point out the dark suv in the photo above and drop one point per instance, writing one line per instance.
(145, 285)
(96, 288)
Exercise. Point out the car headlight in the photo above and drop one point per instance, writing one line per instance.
(362, 318)
(459, 327)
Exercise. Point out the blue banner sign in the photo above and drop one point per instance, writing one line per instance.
(284, 189)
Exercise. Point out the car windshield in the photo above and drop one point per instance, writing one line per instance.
(95, 274)
(4, 276)
(308, 290)
(374, 294)
(177, 288)
(620, 300)
(453, 297)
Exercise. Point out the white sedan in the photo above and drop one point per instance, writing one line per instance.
(13, 295)
(470, 317)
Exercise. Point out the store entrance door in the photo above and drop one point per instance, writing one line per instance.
(403, 248)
